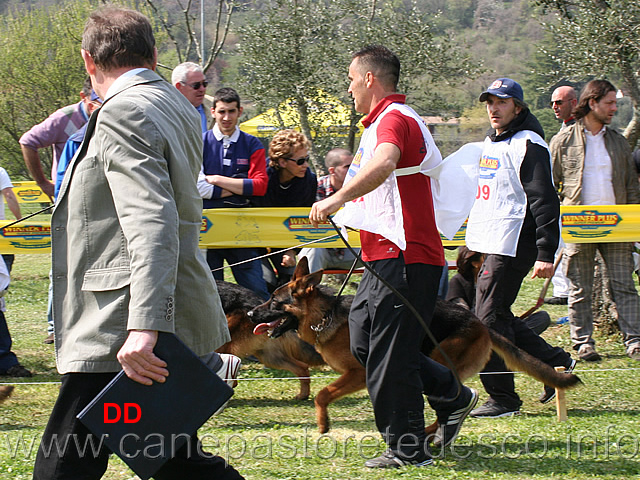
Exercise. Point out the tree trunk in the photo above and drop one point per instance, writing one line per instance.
(316, 162)
(605, 316)
(632, 132)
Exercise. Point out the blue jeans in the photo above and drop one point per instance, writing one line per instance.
(249, 274)
(7, 358)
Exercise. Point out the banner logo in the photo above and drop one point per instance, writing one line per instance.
(590, 223)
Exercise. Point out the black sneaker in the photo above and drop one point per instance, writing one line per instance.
(17, 371)
(549, 393)
(390, 460)
(556, 301)
(449, 424)
(492, 409)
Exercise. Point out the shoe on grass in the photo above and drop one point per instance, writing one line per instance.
(549, 393)
(587, 352)
(229, 369)
(449, 422)
(48, 340)
(16, 371)
(229, 373)
(492, 409)
(390, 460)
(634, 353)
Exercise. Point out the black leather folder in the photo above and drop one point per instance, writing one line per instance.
(146, 425)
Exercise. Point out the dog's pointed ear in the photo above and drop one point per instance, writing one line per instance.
(309, 282)
(302, 268)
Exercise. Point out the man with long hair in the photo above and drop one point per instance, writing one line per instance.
(593, 165)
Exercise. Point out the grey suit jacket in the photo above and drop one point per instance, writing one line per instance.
(125, 231)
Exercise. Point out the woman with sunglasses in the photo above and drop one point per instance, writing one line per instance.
(291, 184)
(291, 181)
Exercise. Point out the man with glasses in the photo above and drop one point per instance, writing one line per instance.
(593, 165)
(563, 102)
(234, 172)
(188, 78)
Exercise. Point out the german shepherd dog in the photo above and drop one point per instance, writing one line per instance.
(287, 352)
(321, 320)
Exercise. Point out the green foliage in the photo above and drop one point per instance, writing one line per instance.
(40, 71)
(300, 47)
(599, 39)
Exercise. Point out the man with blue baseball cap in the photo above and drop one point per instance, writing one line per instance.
(514, 222)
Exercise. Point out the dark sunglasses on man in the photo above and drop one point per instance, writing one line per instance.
(197, 85)
(556, 102)
(299, 161)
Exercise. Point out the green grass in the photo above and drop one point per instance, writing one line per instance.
(268, 435)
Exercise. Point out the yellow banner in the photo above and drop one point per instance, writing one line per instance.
(29, 192)
(266, 227)
(289, 227)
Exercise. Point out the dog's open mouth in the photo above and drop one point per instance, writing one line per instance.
(268, 328)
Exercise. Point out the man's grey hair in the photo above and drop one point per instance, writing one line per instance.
(179, 73)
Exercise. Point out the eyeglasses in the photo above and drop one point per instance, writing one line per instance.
(197, 85)
(299, 161)
(556, 102)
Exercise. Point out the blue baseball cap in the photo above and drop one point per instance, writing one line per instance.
(503, 88)
(94, 97)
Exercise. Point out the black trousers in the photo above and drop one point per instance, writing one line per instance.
(498, 285)
(386, 340)
(53, 461)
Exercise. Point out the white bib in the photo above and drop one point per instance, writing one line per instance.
(498, 213)
(380, 211)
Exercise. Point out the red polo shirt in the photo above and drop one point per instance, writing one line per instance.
(422, 236)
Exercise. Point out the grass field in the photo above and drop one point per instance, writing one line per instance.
(266, 434)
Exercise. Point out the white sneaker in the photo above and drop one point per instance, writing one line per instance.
(229, 369)
(229, 373)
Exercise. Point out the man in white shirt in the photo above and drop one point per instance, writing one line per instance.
(9, 365)
(592, 165)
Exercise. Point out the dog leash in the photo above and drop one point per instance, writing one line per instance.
(413, 311)
(267, 255)
(27, 217)
(327, 320)
(545, 287)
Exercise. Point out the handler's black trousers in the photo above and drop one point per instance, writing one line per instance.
(386, 339)
(53, 461)
(498, 285)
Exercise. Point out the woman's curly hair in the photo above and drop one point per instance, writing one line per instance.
(284, 144)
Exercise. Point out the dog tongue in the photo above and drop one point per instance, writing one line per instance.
(265, 327)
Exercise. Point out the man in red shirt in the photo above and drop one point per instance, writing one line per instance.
(386, 337)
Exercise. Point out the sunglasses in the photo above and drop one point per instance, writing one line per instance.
(197, 85)
(299, 161)
(556, 102)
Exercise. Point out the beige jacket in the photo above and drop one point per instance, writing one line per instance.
(567, 155)
(125, 231)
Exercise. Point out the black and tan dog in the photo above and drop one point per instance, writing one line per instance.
(287, 352)
(321, 319)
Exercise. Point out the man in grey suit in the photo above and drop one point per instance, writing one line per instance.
(125, 247)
